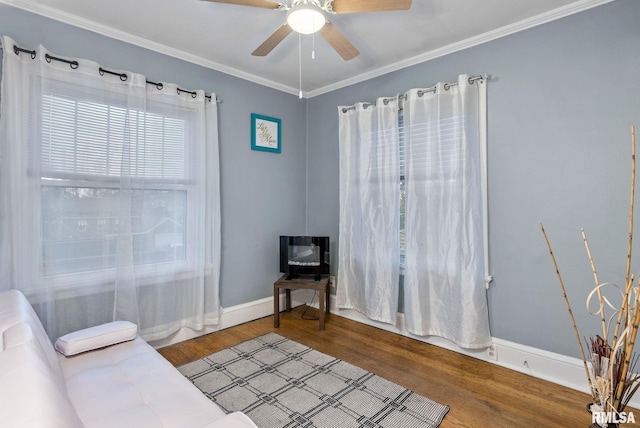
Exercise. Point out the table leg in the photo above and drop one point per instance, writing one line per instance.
(288, 299)
(328, 297)
(321, 301)
(276, 307)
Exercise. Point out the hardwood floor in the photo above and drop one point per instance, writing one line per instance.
(479, 394)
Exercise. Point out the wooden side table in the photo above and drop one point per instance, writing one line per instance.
(305, 283)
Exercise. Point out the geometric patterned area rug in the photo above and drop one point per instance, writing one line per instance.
(279, 383)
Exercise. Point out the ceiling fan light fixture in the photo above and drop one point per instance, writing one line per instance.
(305, 18)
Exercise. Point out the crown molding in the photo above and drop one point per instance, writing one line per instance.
(578, 6)
(49, 12)
(55, 14)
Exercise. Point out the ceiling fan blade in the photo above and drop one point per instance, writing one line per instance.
(338, 41)
(267, 4)
(273, 40)
(352, 6)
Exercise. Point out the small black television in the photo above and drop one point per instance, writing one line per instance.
(304, 255)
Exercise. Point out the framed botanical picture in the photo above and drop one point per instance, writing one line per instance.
(265, 133)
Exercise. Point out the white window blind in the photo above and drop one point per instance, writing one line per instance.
(430, 162)
(435, 161)
(84, 139)
(86, 148)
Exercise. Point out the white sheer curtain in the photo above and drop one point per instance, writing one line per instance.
(420, 173)
(109, 196)
(444, 278)
(368, 255)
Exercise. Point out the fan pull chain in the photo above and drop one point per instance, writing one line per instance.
(313, 40)
(300, 63)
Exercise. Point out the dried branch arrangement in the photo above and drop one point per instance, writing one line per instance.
(611, 363)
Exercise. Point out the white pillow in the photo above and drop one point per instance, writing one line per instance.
(96, 337)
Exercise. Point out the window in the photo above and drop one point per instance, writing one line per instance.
(87, 148)
(110, 195)
(435, 163)
(430, 207)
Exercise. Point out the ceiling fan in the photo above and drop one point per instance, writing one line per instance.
(310, 16)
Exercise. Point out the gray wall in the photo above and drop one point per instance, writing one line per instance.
(562, 99)
(263, 194)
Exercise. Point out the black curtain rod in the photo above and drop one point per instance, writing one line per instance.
(123, 76)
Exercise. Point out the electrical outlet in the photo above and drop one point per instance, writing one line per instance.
(492, 353)
(332, 281)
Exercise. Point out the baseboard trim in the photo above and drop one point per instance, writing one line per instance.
(549, 366)
(236, 315)
(539, 363)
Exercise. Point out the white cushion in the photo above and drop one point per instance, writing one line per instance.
(32, 389)
(29, 394)
(19, 325)
(96, 337)
(132, 385)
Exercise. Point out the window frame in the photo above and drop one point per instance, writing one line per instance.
(50, 178)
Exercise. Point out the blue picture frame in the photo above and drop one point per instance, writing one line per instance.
(266, 133)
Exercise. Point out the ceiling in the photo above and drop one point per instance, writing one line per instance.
(222, 36)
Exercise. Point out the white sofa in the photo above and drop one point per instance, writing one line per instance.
(109, 378)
